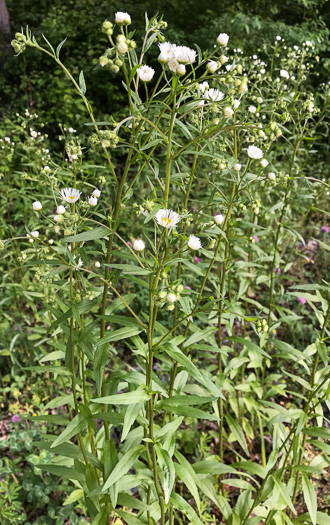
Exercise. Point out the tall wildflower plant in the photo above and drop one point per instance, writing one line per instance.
(177, 276)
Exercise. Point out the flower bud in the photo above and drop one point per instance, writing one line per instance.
(171, 298)
(228, 112)
(122, 48)
(104, 61)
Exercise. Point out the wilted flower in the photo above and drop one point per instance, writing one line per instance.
(70, 195)
(167, 218)
(223, 39)
(138, 245)
(219, 218)
(284, 74)
(171, 298)
(122, 18)
(61, 209)
(214, 95)
(37, 206)
(145, 73)
(212, 66)
(194, 243)
(92, 201)
(254, 152)
(96, 193)
(228, 112)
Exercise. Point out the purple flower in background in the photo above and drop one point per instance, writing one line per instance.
(188, 288)
(325, 229)
(197, 259)
(110, 268)
(256, 238)
(278, 270)
(15, 419)
(129, 243)
(301, 300)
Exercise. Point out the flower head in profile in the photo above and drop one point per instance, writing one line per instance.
(61, 209)
(145, 73)
(194, 243)
(70, 195)
(301, 300)
(96, 193)
(214, 95)
(138, 245)
(264, 163)
(37, 206)
(219, 218)
(122, 18)
(92, 201)
(254, 152)
(167, 218)
(212, 66)
(166, 51)
(185, 55)
(223, 39)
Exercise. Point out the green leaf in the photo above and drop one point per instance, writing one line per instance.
(131, 414)
(82, 83)
(185, 400)
(191, 412)
(179, 503)
(213, 467)
(123, 466)
(90, 235)
(309, 497)
(238, 433)
(75, 495)
(60, 370)
(239, 483)
(284, 493)
(74, 427)
(62, 471)
(130, 518)
(121, 333)
(129, 269)
(167, 471)
(185, 471)
(128, 398)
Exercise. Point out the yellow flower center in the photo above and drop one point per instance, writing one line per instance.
(166, 221)
(71, 197)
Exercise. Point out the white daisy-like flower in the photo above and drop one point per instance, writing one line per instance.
(214, 95)
(96, 193)
(145, 73)
(219, 218)
(212, 66)
(167, 218)
(264, 163)
(228, 112)
(166, 51)
(284, 74)
(61, 209)
(34, 234)
(185, 55)
(194, 243)
(70, 195)
(223, 39)
(138, 245)
(122, 18)
(236, 103)
(252, 109)
(79, 263)
(271, 176)
(37, 206)
(171, 297)
(92, 201)
(237, 166)
(254, 152)
(34, 134)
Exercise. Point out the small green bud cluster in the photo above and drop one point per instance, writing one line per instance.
(43, 275)
(2, 245)
(107, 139)
(219, 164)
(102, 179)
(19, 43)
(275, 131)
(170, 295)
(107, 27)
(73, 150)
(256, 206)
(241, 206)
(262, 326)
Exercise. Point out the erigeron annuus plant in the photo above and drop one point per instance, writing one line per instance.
(201, 140)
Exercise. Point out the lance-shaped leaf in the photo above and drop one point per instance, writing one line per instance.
(125, 463)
